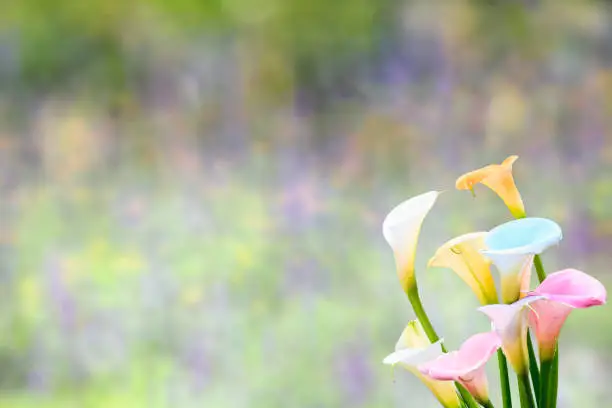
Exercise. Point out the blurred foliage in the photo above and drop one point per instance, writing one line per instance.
(63, 42)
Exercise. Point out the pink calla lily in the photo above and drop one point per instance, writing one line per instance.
(467, 365)
(561, 292)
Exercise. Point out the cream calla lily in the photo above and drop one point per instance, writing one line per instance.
(498, 177)
(510, 322)
(462, 255)
(401, 229)
(413, 349)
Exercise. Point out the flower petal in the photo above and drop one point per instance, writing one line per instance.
(472, 355)
(573, 288)
(412, 357)
(524, 236)
(512, 246)
(509, 161)
(561, 291)
(546, 319)
(511, 324)
(462, 255)
(467, 365)
(498, 177)
(413, 336)
(412, 349)
(477, 350)
(401, 230)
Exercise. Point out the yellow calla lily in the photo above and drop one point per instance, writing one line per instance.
(462, 255)
(413, 349)
(498, 177)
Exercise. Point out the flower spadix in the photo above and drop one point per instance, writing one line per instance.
(512, 246)
(401, 230)
(462, 255)
(467, 365)
(498, 177)
(559, 294)
(413, 349)
(510, 322)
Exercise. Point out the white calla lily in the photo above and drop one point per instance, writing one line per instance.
(401, 229)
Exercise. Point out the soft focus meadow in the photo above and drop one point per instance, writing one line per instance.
(191, 192)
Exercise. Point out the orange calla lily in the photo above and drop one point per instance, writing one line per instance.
(498, 177)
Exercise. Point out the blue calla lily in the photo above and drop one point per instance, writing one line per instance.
(512, 247)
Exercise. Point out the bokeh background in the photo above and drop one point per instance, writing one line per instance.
(191, 192)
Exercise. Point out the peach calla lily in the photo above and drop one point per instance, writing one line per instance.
(412, 349)
(512, 246)
(560, 293)
(462, 255)
(467, 365)
(401, 229)
(510, 322)
(498, 177)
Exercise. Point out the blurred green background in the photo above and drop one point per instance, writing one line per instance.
(192, 190)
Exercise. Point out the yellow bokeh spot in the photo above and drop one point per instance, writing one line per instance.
(192, 295)
(30, 295)
(129, 263)
(244, 256)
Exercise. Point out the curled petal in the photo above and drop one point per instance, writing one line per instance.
(561, 292)
(512, 246)
(467, 365)
(524, 236)
(498, 177)
(401, 230)
(573, 288)
(510, 322)
(410, 358)
(462, 255)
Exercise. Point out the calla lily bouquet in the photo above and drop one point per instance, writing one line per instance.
(458, 378)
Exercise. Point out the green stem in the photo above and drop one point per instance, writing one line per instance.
(554, 380)
(505, 381)
(419, 311)
(549, 385)
(545, 383)
(466, 396)
(534, 371)
(488, 404)
(525, 394)
(539, 268)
